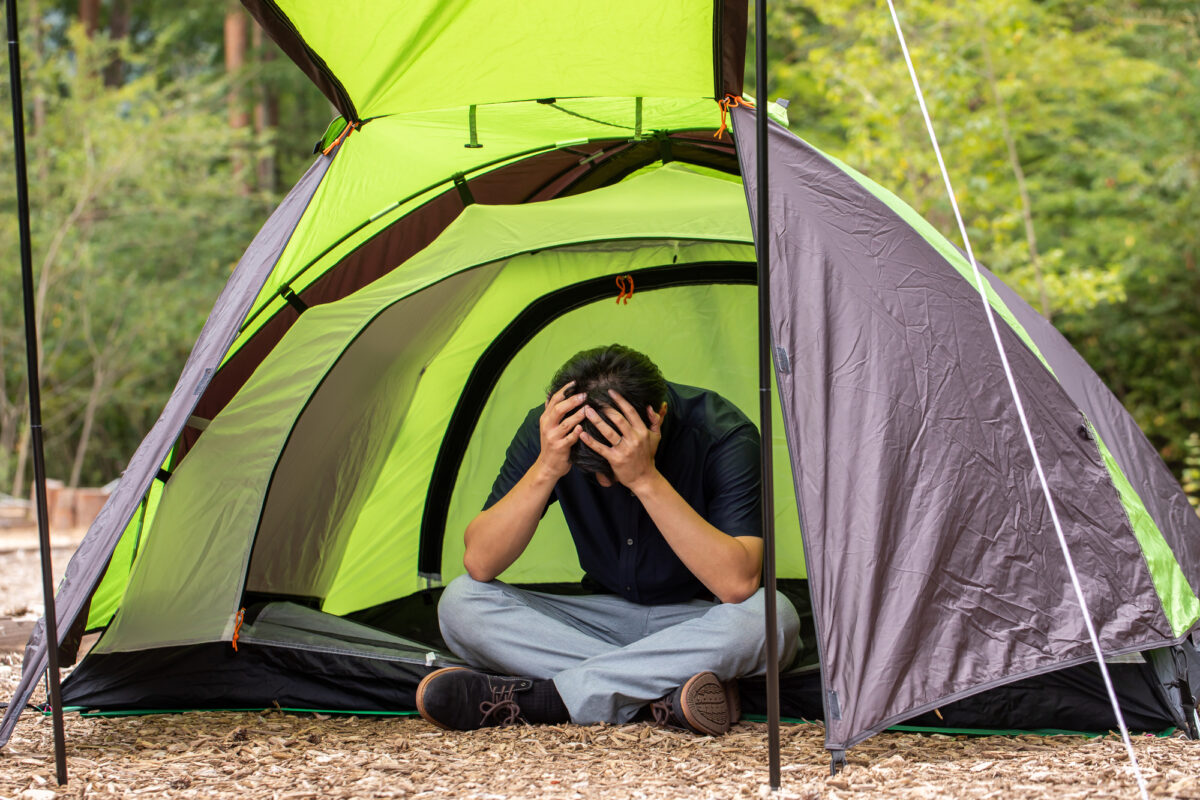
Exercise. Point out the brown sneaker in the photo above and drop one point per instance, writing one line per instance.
(702, 705)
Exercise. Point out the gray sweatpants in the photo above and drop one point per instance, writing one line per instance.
(608, 656)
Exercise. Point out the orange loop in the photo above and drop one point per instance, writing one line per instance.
(237, 628)
(728, 102)
(626, 293)
(346, 131)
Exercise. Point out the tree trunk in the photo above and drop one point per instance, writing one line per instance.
(89, 416)
(38, 123)
(89, 15)
(266, 113)
(18, 485)
(118, 31)
(236, 35)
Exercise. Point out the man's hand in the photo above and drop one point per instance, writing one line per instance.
(630, 446)
(560, 430)
(498, 535)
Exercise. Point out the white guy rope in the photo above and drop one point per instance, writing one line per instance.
(1012, 385)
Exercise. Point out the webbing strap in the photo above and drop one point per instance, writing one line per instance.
(474, 131)
(664, 147)
(293, 299)
(464, 191)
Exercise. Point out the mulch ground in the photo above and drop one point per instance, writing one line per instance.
(275, 755)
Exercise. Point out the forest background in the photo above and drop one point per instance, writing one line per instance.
(161, 135)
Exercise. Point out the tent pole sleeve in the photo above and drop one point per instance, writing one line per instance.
(35, 399)
(762, 238)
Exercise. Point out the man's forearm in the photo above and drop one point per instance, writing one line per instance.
(498, 535)
(730, 567)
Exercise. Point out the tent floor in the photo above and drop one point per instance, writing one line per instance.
(295, 657)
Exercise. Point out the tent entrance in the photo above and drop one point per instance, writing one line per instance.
(524, 328)
(696, 319)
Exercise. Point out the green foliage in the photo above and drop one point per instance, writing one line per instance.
(1191, 471)
(135, 230)
(1090, 212)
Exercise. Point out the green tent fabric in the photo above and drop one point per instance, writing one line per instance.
(377, 177)
(374, 59)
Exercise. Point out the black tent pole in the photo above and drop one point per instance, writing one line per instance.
(35, 399)
(762, 237)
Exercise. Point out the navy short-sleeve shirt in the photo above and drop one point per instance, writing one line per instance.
(709, 453)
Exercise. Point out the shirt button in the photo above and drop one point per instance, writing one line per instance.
(629, 542)
(627, 588)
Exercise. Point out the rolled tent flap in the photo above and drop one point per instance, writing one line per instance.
(376, 57)
(933, 566)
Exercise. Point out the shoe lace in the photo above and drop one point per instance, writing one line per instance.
(503, 706)
(661, 711)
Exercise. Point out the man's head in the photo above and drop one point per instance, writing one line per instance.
(595, 372)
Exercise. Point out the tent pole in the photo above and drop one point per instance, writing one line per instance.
(35, 399)
(762, 237)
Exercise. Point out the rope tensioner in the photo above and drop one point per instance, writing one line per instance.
(626, 292)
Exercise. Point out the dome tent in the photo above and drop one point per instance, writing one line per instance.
(354, 388)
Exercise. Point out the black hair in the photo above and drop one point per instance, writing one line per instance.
(599, 369)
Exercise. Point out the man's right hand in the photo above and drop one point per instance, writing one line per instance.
(560, 429)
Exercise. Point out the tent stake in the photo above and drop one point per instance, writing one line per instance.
(35, 399)
(761, 238)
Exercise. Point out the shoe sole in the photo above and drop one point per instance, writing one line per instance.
(733, 697)
(705, 705)
(422, 686)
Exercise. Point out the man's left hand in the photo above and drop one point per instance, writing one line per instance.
(630, 445)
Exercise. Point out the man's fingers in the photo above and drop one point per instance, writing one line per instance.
(563, 407)
(605, 429)
(618, 421)
(592, 442)
(572, 421)
(554, 415)
(560, 394)
(630, 414)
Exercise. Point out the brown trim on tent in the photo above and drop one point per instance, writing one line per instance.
(542, 177)
(280, 29)
(729, 46)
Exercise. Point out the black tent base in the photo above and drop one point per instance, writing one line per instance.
(214, 677)
(293, 657)
(1069, 700)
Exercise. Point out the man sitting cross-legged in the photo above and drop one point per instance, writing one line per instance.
(659, 486)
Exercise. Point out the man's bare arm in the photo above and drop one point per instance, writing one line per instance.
(498, 535)
(729, 567)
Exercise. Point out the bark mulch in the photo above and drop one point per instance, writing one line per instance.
(275, 755)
